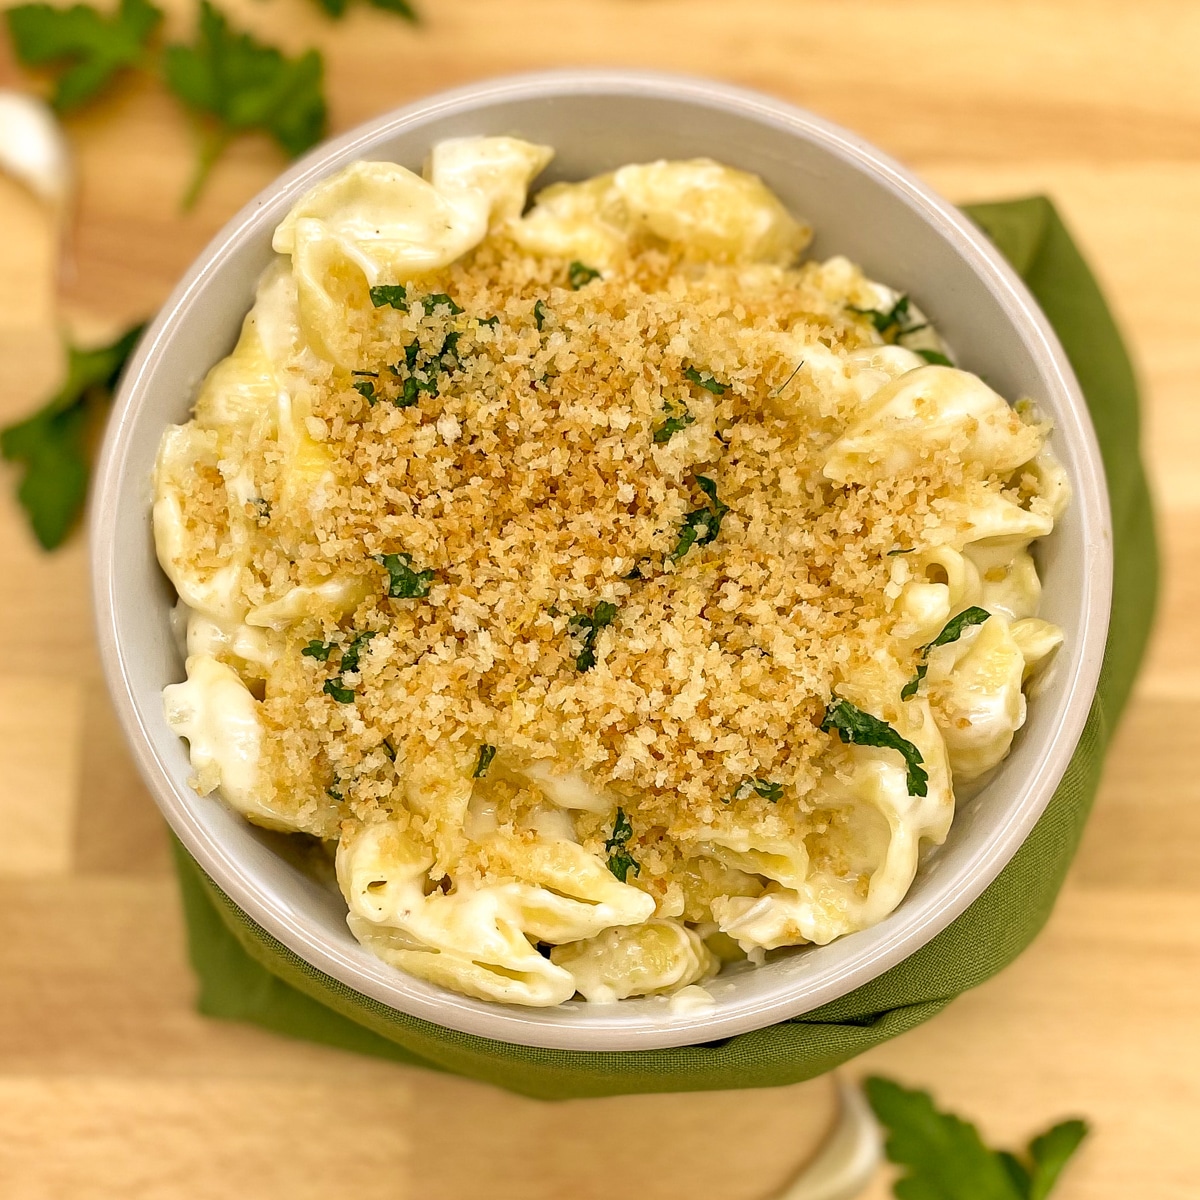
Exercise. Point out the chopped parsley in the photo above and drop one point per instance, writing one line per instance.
(861, 729)
(413, 386)
(936, 357)
(438, 299)
(620, 861)
(900, 550)
(764, 787)
(951, 632)
(394, 295)
(678, 418)
(588, 626)
(366, 389)
(318, 650)
(887, 324)
(492, 321)
(579, 274)
(354, 649)
(701, 525)
(486, 754)
(334, 790)
(539, 314)
(705, 380)
(403, 582)
(337, 689)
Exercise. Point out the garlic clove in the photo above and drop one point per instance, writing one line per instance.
(34, 149)
(848, 1158)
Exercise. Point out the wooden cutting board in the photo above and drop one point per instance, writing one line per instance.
(111, 1086)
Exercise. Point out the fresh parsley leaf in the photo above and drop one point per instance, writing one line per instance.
(337, 689)
(394, 295)
(486, 754)
(236, 84)
(53, 443)
(678, 418)
(366, 389)
(620, 861)
(944, 1158)
(588, 626)
(701, 525)
(951, 632)
(403, 582)
(318, 650)
(1050, 1152)
(860, 728)
(412, 387)
(578, 274)
(492, 321)
(354, 649)
(539, 313)
(334, 790)
(705, 380)
(764, 787)
(449, 347)
(90, 47)
(936, 357)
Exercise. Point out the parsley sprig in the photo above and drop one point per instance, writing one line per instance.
(944, 1158)
(587, 626)
(235, 84)
(403, 582)
(87, 47)
(53, 444)
(951, 632)
(860, 728)
(701, 525)
(620, 861)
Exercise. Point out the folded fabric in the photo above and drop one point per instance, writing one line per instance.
(246, 974)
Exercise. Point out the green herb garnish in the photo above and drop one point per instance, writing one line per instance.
(318, 650)
(620, 861)
(53, 444)
(429, 303)
(366, 389)
(354, 649)
(403, 582)
(579, 274)
(678, 418)
(764, 787)
(486, 754)
(860, 728)
(413, 386)
(334, 791)
(705, 380)
(337, 689)
(951, 632)
(539, 314)
(492, 321)
(701, 525)
(908, 550)
(887, 324)
(395, 295)
(936, 357)
(944, 1158)
(588, 625)
(237, 84)
(88, 47)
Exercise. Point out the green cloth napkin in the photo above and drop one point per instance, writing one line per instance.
(246, 974)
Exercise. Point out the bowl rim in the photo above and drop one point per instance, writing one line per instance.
(615, 1031)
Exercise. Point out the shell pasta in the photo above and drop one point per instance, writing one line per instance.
(615, 593)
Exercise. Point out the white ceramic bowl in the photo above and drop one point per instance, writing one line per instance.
(861, 205)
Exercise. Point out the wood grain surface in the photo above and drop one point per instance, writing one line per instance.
(112, 1087)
